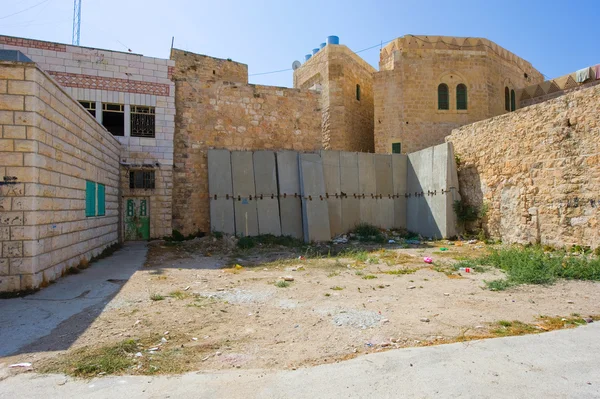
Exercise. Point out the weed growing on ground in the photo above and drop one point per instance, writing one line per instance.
(535, 266)
(282, 284)
(356, 254)
(369, 276)
(178, 295)
(400, 272)
(359, 272)
(269, 240)
(333, 274)
(157, 297)
(337, 288)
(366, 232)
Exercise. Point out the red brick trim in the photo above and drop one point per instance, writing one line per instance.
(16, 41)
(111, 84)
(171, 71)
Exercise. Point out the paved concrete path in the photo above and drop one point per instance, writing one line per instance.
(25, 321)
(559, 364)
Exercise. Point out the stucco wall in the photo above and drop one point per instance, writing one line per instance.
(538, 169)
(51, 145)
(412, 67)
(218, 114)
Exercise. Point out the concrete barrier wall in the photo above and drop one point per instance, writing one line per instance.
(316, 196)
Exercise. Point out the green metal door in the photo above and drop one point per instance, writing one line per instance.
(137, 219)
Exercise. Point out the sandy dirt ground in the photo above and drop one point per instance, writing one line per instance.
(335, 308)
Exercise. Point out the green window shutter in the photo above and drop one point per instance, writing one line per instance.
(443, 99)
(396, 148)
(513, 102)
(506, 99)
(461, 96)
(101, 200)
(90, 198)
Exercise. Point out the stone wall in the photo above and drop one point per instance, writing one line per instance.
(51, 145)
(412, 68)
(347, 121)
(104, 76)
(538, 169)
(535, 94)
(221, 114)
(203, 67)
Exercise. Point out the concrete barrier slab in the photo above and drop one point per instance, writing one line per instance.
(399, 175)
(349, 190)
(385, 189)
(290, 204)
(314, 204)
(220, 185)
(244, 192)
(331, 174)
(367, 183)
(267, 203)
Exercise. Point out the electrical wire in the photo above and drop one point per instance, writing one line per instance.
(27, 9)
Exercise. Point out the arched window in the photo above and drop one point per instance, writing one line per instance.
(443, 98)
(513, 102)
(506, 99)
(461, 96)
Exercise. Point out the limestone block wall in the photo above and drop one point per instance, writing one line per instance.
(538, 169)
(50, 146)
(203, 67)
(104, 76)
(412, 68)
(217, 114)
(347, 118)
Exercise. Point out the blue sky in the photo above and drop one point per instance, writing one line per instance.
(556, 37)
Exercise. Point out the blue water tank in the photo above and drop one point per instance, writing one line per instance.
(333, 40)
(307, 57)
(322, 45)
(315, 51)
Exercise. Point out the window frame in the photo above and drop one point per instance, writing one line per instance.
(397, 148)
(106, 108)
(148, 179)
(462, 104)
(136, 110)
(447, 99)
(506, 99)
(513, 101)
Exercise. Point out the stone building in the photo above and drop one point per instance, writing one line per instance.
(345, 82)
(428, 85)
(133, 97)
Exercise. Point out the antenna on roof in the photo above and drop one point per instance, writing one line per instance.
(76, 22)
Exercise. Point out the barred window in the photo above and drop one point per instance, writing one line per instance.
(443, 98)
(461, 97)
(142, 121)
(90, 106)
(142, 179)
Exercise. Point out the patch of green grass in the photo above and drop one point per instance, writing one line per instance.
(268, 240)
(359, 272)
(157, 297)
(369, 276)
(399, 272)
(369, 233)
(112, 359)
(333, 274)
(509, 328)
(532, 265)
(505, 323)
(356, 254)
(337, 288)
(178, 295)
(282, 284)
(327, 294)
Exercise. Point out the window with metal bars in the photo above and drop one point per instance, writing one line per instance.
(90, 106)
(142, 121)
(396, 148)
(443, 98)
(142, 179)
(461, 97)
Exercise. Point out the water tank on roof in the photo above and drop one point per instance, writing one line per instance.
(307, 57)
(315, 51)
(333, 40)
(322, 45)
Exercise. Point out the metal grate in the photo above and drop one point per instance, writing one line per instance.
(143, 121)
(142, 179)
(396, 148)
(443, 98)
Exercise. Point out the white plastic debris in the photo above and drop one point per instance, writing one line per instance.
(24, 364)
